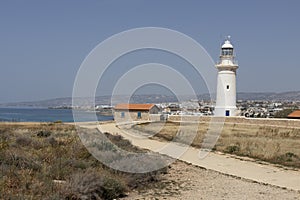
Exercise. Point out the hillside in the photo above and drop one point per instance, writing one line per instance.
(157, 98)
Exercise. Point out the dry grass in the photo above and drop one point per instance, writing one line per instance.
(280, 145)
(49, 161)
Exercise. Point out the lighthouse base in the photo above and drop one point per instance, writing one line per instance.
(225, 111)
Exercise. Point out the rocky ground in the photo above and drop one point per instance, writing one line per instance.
(188, 182)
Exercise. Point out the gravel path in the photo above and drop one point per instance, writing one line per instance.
(188, 182)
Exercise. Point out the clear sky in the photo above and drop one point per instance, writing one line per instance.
(43, 43)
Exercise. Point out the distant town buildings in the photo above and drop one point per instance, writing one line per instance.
(247, 108)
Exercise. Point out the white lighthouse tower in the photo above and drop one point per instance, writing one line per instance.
(226, 86)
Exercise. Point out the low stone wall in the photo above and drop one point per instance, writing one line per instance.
(238, 120)
(187, 118)
(155, 117)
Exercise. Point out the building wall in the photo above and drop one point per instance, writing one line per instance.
(129, 116)
(154, 110)
(155, 117)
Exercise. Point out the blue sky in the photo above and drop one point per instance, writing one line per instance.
(43, 43)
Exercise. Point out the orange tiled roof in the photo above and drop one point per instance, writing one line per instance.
(295, 114)
(125, 106)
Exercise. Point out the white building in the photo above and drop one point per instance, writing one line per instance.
(226, 86)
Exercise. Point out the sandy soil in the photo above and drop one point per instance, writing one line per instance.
(185, 181)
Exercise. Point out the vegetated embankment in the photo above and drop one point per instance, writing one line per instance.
(271, 140)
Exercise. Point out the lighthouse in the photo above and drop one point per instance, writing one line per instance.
(226, 85)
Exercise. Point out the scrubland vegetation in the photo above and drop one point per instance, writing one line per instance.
(49, 161)
(279, 145)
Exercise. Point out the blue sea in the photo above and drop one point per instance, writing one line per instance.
(46, 115)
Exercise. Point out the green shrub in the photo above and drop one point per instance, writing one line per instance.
(232, 149)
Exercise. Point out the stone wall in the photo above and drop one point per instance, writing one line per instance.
(239, 120)
(155, 117)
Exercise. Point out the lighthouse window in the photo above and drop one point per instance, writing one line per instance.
(227, 87)
(227, 52)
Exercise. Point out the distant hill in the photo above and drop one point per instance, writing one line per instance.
(101, 100)
(270, 96)
(157, 98)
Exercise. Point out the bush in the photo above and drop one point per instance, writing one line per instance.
(92, 185)
(284, 113)
(113, 188)
(20, 161)
(232, 149)
(23, 141)
(79, 164)
(288, 157)
(43, 134)
(4, 144)
(52, 141)
(122, 143)
(145, 163)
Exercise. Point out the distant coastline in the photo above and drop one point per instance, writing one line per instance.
(46, 115)
(153, 98)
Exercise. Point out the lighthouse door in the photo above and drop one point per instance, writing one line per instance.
(227, 113)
